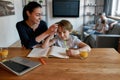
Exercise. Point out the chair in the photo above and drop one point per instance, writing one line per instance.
(107, 41)
(103, 41)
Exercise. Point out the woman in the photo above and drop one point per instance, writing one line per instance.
(32, 30)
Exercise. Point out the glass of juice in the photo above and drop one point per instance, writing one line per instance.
(0, 52)
(83, 54)
(4, 53)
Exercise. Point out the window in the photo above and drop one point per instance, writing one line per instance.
(117, 13)
(115, 8)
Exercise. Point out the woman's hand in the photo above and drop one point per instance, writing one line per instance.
(52, 29)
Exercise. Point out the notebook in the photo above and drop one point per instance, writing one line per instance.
(19, 65)
(53, 51)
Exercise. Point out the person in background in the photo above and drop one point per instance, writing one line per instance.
(32, 29)
(63, 39)
(104, 24)
(103, 27)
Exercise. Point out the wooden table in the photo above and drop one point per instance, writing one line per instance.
(102, 64)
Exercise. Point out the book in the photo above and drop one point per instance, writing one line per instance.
(53, 51)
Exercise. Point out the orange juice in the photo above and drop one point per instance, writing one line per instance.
(0, 52)
(83, 54)
(4, 53)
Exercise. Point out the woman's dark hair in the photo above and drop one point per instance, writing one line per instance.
(30, 7)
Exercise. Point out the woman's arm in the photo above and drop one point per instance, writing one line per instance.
(112, 24)
(51, 30)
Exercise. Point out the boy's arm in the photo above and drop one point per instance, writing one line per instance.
(48, 42)
(84, 46)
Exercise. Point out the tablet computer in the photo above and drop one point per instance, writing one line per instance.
(19, 65)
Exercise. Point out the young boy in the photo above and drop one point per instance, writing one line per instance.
(104, 26)
(63, 39)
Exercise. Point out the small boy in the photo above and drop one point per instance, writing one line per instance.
(63, 39)
(105, 26)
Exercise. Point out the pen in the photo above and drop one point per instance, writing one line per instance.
(42, 61)
(66, 45)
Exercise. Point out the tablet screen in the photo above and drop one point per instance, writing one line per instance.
(15, 66)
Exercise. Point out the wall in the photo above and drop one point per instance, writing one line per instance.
(8, 32)
(77, 22)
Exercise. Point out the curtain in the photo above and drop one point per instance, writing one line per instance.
(107, 7)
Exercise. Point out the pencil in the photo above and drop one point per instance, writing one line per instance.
(42, 61)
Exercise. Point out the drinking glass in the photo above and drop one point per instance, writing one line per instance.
(83, 54)
(4, 53)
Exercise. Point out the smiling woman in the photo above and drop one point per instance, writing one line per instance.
(32, 29)
(6, 7)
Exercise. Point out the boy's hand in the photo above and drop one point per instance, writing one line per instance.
(72, 52)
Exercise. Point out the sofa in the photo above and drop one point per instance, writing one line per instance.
(108, 40)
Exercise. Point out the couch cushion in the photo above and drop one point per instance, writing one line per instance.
(115, 30)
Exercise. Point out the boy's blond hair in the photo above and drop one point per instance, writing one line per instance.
(65, 24)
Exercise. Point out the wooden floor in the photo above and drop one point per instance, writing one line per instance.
(16, 44)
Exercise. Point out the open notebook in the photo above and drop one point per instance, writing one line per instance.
(19, 65)
(53, 51)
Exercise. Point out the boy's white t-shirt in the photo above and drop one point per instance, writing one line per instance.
(72, 42)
